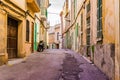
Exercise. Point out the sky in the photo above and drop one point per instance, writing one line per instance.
(54, 11)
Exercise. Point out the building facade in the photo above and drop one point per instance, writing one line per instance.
(44, 4)
(58, 40)
(55, 37)
(92, 31)
(17, 21)
(117, 40)
(51, 40)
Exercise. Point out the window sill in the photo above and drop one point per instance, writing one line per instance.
(99, 39)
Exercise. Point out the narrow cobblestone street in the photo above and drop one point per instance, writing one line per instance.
(52, 65)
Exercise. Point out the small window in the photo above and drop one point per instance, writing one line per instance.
(99, 19)
(88, 26)
(82, 22)
(88, 7)
(88, 21)
(27, 30)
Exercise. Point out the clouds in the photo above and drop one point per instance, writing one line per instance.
(54, 10)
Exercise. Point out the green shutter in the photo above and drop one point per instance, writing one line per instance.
(35, 37)
(76, 30)
(46, 13)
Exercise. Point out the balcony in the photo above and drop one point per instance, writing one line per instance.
(34, 4)
(43, 13)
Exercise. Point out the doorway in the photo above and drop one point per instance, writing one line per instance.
(12, 33)
(32, 38)
(57, 46)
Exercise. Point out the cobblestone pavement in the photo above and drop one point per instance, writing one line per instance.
(52, 65)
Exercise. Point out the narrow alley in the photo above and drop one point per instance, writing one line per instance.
(52, 64)
(59, 39)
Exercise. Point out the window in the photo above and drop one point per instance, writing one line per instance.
(88, 21)
(57, 35)
(81, 22)
(99, 19)
(88, 31)
(88, 7)
(75, 8)
(27, 31)
(88, 36)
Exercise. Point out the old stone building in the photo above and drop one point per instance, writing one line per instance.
(41, 24)
(51, 40)
(55, 37)
(44, 23)
(58, 35)
(92, 28)
(17, 21)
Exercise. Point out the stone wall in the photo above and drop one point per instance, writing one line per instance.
(104, 59)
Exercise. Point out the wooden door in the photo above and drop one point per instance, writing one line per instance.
(32, 38)
(12, 32)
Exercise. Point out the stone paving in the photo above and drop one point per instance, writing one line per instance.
(70, 69)
(52, 65)
(88, 70)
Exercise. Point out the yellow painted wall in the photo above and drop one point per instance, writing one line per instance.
(117, 40)
(28, 46)
(3, 31)
(24, 48)
(20, 3)
(84, 27)
(108, 21)
(3, 38)
(93, 21)
(21, 37)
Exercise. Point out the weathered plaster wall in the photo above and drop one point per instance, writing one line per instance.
(104, 59)
(84, 26)
(21, 38)
(21, 3)
(28, 46)
(108, 21)
(93, 24)
(51, 38)
(3, 38)
(117, 40)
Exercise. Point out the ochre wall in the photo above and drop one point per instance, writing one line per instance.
(117, 40)
(20, 3)
(108, 21)
(51, 38)
(3, 38)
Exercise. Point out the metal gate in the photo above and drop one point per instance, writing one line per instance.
(12, 32)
